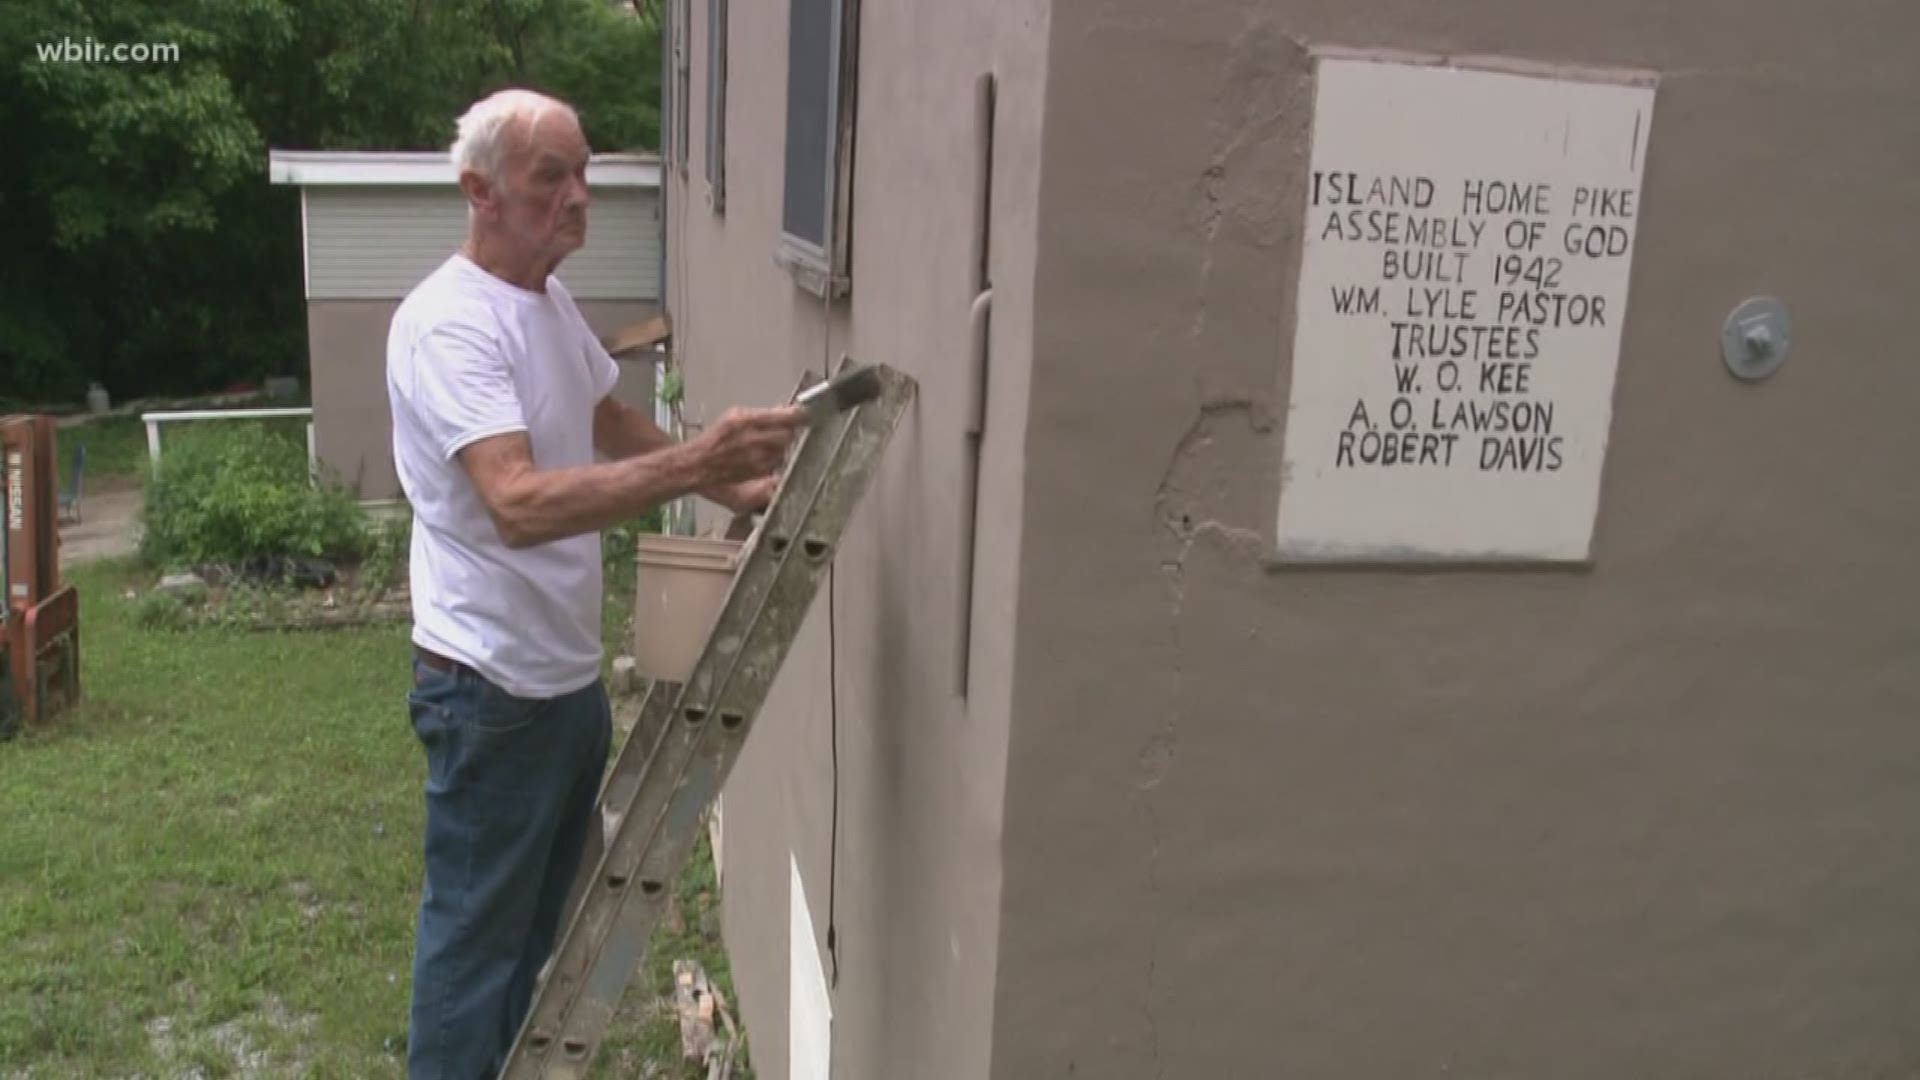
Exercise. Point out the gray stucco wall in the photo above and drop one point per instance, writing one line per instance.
(1655, 818)
(347, 354)
(920, 769)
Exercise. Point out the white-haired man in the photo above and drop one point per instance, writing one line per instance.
(501, 396)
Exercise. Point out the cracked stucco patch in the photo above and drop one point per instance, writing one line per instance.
(1209, 488)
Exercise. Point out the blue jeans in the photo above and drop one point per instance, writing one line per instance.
(511, 790)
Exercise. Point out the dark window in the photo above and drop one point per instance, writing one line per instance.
(819, 115)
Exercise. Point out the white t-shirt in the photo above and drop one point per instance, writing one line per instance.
(469, 356)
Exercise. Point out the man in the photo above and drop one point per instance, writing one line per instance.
(501, 396)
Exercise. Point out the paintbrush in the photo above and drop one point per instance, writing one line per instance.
(849, 389)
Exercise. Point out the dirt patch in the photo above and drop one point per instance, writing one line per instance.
(234, 1041)
(108, 527)
(112, 483)
(313, 905)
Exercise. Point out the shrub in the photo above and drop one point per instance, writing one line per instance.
(618, 558)
(389, 543)
(159, 611)
(239, 491)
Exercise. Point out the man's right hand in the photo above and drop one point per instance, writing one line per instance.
(745, 444)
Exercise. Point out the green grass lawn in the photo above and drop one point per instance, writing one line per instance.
(214, 863)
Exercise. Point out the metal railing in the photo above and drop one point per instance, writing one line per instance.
(153, 420)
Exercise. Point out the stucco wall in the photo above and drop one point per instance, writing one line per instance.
(1653, 818)
(347, 356)
(920, 770)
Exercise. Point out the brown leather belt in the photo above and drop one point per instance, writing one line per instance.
(434, 660)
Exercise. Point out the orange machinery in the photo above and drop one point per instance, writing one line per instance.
(40, 639)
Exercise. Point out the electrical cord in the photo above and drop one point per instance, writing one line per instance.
(833, 683)
(833, 842)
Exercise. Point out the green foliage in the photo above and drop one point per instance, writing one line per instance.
(619, 562)
(156, 610)
(389, 542)
(117, 445)
(238, 492)
(673, 388)
(141, 241)
(618, 552)
(605, 61)
(246, 604)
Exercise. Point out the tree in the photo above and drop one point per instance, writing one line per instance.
(140, 242)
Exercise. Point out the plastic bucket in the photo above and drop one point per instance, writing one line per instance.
(680, 583)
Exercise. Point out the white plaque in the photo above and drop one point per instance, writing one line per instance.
(1463, 283)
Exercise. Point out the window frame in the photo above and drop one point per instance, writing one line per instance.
(825, 269)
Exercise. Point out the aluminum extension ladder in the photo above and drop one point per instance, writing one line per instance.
(688, 736)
